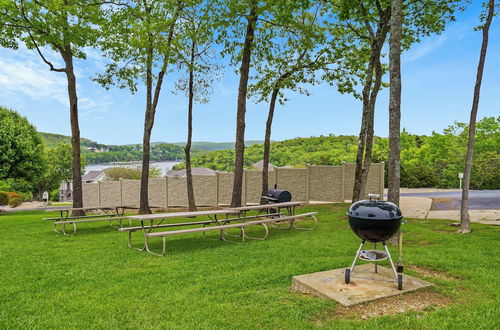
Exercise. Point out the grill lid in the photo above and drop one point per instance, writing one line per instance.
(279, 195)
(373, 209)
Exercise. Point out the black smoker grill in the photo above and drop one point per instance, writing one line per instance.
(375, 221)
(278, 196)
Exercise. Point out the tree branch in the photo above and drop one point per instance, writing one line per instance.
(51, 66)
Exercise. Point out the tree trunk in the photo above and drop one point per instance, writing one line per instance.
(75, 131)
(366, 134)
(148, 126)
(464, 209)
(394, 166)
(240, 117)
(187, 148)
(40, 193)
(267, 145)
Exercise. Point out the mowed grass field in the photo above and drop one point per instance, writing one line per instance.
(93, 280)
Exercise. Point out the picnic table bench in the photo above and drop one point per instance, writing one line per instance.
(271, 216)
(110, 213)
(163, 235)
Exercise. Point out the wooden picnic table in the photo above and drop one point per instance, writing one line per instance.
(220, 218)
(110, 214)
(161, 217)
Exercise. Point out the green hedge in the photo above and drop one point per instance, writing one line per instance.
(4, 198)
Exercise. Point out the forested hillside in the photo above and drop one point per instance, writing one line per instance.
(427, 161)
(212, 146)
(113, 153)
(159, 152)
(52, 140)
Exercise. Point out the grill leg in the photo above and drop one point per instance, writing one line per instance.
(357, 255)
(390, 259)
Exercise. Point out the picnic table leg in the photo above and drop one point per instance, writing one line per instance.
(315, 221)
(64, 229)
(145, 237)
(275, 226)
(62, 217)
(146, 245)
(242, 235)
(258, 238)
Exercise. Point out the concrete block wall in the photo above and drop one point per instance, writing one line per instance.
(295, 181)
(205, 190)
(157, 192)
(374, 184)
(310, 184)
(325, 183)
(224, 188)
(253, 184)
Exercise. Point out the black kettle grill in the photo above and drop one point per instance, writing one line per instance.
(375, 221)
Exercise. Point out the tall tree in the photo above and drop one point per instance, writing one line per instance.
(201, 67)
(21, 147)
(464, 209)
(63, 26)
(394, 165)
(244, 20)
(301, 48)
(57, 169)
(369, 23)
(239, 146)
(140, 39)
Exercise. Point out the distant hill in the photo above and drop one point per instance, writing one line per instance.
(212, 146)
(51, 140)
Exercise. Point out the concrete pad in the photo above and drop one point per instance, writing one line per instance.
(366, 285)
(415, 207)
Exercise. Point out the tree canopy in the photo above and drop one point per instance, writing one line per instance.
(21, 147)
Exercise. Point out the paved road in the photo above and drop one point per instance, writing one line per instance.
(450, 200)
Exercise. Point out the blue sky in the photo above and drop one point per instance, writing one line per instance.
(438, 80)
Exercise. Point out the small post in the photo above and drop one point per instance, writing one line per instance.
(166, 191)
(98, 193)
(308, 180)
(382, 179)
(460, 176)
(121, 193)
(216, 188)
(342, 183)
(244, 189)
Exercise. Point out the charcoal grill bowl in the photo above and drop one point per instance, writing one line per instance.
(374, 221)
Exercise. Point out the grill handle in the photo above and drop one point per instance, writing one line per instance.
(374, 196)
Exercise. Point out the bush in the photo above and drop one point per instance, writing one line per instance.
(15, 202)
(54, 195)
(26, 197)
(4, 198)
(13, 195)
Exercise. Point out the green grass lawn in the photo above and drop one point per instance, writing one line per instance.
(92, 280)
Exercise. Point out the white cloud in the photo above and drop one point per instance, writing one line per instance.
(425, 48)
(32, 79)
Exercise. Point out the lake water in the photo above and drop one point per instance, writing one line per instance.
(164, 166)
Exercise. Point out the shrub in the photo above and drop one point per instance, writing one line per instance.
(54, 195)
(15, 202)
(13, 195)
(26, 197)
(4, 198)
